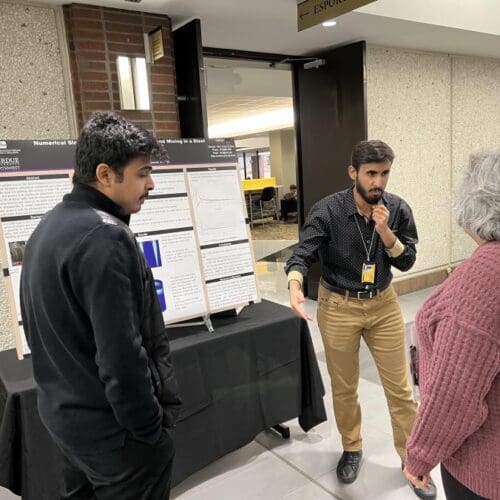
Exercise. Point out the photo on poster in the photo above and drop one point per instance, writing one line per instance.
(152, 253)
(160, 292)
(16, 251)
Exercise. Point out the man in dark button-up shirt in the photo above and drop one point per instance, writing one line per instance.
(332, 235)
(357, 235)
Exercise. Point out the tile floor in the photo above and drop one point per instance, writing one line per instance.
(303, 468)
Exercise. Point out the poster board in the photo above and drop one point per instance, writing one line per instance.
(192, 229)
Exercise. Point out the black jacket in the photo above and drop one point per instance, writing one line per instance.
(101, 357)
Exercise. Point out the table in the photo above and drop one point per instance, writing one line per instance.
(253, 372)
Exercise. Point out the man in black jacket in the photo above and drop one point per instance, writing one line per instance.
(101, 358)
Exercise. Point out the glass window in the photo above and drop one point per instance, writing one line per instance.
(133, 82)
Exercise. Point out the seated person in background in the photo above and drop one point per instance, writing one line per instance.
(292, 195)
(458, 422)
(289, 204)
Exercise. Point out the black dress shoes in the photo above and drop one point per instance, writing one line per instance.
(348, 466)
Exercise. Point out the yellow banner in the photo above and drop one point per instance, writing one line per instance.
(256, 184)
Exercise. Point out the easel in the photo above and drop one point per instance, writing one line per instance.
(205, 321)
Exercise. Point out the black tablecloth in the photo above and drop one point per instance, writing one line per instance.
(253, 372)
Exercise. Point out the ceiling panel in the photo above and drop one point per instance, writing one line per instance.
(222, 109)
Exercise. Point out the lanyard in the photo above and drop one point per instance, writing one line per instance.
(367, 250)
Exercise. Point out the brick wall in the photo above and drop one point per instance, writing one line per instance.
(96, 37)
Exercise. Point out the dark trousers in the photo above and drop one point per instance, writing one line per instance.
(455, 490)
(137, 471)
(288, 206)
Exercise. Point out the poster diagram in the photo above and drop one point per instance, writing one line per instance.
(217, 205)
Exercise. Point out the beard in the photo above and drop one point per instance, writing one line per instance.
(372, 196)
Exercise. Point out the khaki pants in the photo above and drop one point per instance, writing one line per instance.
(342, 322)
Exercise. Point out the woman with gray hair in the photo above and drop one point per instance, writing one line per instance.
(458, 422)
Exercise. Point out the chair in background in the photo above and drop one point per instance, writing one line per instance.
(267, 202)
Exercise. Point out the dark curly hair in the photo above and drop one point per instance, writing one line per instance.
(371, 152)
(111, 139)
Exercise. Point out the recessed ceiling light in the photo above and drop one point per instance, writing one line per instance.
(328, 24)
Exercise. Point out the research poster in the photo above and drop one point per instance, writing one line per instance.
(192, 229)
(34, 176)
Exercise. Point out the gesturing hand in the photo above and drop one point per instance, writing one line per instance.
(297, 299)
(380, 216)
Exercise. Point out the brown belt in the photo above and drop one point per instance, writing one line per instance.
(357, 294)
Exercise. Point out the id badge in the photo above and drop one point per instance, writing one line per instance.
(368, 273)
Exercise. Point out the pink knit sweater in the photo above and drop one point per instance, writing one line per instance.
(458, 422)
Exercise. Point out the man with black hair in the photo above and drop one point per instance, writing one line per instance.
(292, 194)
(357, 235)
(101, 359)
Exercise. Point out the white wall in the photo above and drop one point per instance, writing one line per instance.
(469, 15)
(434, 110)
(283, 158)
(475, 123)
(32, 92)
